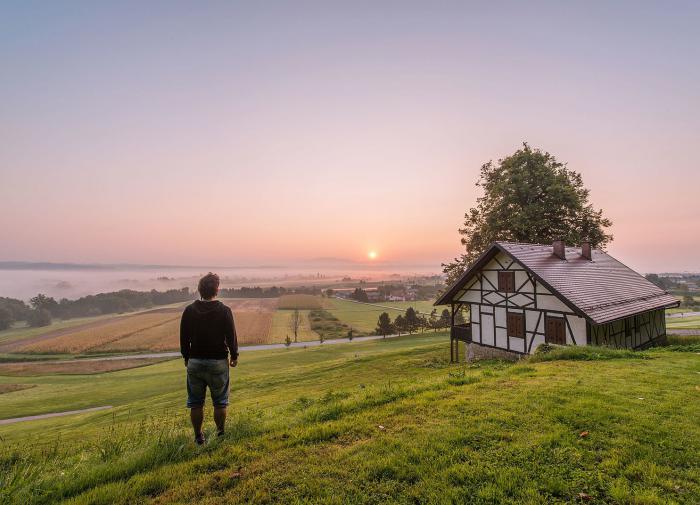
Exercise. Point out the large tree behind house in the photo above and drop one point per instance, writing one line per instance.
(531, 197)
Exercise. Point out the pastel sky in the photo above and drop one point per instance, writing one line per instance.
(228, 133)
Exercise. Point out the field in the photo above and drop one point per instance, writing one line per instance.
(76, 367)
(10, 388)
(100, 335)
(281, 327)
(683, 323)
(363, 316)
(301, 302)
(388, 421)
(328, 326)
(154, 330)
(258, 321)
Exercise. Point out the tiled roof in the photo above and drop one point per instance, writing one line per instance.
(600, 290)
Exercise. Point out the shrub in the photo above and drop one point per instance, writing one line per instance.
(544, 349)
(39, 317)
(6, 318)
(583, 353)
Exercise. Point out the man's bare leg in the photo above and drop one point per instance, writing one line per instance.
(197, 418)
(220, 419)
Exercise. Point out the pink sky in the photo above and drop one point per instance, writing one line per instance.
(241, 136)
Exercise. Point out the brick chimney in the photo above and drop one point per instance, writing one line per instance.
(559, 249)
(586, 251)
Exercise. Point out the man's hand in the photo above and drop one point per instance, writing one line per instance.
(233, 362)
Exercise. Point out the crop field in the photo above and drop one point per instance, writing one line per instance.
(161, 337)
(155, 330)
(253, 319)
(77, 367)
(388, 421)
(281, 327)
(100, 335)
(11, 388)
(20, 335)
(258, 321)
(328, 326)
(301, 302)
(21, 332)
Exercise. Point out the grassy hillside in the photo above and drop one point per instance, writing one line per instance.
(384, 421)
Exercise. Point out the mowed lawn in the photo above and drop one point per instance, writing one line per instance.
(387, 421)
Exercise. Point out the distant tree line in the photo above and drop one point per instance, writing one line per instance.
(665, 283)
(411, 322)
(384, 292)
(359, 295)
(42, 309)
(681, 289)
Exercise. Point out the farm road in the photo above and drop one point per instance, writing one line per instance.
(683, 314)
(53, 414)
(681, 331)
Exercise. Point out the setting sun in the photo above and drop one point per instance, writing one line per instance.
(372, 255)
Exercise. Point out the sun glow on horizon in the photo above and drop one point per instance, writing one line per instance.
(372, 255)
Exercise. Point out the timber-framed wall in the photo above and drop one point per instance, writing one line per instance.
(489, 307)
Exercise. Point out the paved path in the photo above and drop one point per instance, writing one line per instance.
(682, 331)
(682, 314)
(54, 414)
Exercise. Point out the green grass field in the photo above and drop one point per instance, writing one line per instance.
(683, 323)
(388, 421)
(363, 316)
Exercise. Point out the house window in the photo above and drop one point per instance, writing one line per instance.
(554, 330)
(506, 282)
(516, 324)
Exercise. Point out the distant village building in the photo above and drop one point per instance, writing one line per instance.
(396, 296)
(522, 295)
(373, 295)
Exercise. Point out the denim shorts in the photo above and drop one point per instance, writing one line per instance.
(203, 373)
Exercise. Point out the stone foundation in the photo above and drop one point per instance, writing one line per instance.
(476, 352)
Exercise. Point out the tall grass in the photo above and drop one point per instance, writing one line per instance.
(34, 473)
(583, 353)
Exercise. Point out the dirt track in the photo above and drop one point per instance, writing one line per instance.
(54, 414)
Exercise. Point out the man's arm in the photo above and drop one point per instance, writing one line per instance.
(185, 336)
(231, 338)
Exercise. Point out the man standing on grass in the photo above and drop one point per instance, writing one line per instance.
(207, 335)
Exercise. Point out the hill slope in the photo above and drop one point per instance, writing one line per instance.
(387, 421)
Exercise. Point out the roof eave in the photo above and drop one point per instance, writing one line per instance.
(620, 318)
(446, 298)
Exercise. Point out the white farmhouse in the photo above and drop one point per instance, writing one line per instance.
(521, 295)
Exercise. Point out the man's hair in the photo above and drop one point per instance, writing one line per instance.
(208, 286)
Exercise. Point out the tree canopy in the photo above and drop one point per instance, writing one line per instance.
(529, 196)
(384, 326)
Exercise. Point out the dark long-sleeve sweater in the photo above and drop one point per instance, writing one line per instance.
(207, 331)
